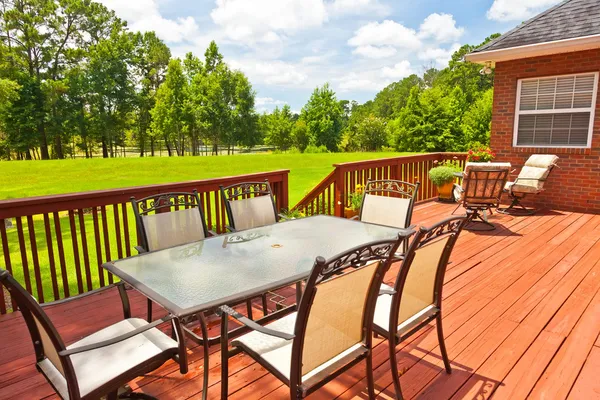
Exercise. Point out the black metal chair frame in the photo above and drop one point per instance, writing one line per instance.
(478, 219)
(449, 227)
(395, 188)
(164, 202)
(516, 207)
(30, 308)
(357, 257)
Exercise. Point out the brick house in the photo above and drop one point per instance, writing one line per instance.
(546, 99)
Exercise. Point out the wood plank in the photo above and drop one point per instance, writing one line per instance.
(587, 385)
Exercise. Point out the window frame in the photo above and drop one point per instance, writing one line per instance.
(518, 112)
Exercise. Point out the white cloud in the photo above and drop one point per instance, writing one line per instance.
(267, 21)
(386, 33)
(440, 27)
(144, 15)
(358, 7)
(268, 101)
(398, 71)
(439, 55)
(375, 52)
(276, 73)
(354, 81)
(517, 10)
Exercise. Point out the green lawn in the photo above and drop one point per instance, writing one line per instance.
(35, 178)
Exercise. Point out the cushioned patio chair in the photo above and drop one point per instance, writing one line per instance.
(331, 331)
(416, 297)
(531, 180)
(169, 219)
(100, 364)
(481, 191)
(249, 205)
(389, 202)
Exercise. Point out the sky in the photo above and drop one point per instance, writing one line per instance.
(289, 47)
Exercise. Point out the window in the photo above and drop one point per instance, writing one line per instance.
(556, 111)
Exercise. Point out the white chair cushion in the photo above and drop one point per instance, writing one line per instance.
(541, 160)
(277, 352)
(519, 188)
(384, 306)
(96, 367)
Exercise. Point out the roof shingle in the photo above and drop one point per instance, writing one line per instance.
(567, 20)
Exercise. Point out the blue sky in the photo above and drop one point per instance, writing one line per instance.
(288, 47)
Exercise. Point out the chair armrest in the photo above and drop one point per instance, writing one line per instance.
(283, 217)
(385, 291)
(212, 233)
(114, 340)
(140, 249)
(355, 218)
(79, 296)
(230, 229)
(253, 325)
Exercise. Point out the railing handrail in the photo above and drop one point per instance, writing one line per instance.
(390, 160)
(11, 208)
(328, 180)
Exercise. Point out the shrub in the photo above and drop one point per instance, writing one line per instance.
(312, 149)
(442, 175)
(356, 197)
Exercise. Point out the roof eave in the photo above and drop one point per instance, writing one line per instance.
(535, 50)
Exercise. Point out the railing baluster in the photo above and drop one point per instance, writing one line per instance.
(51, 257)
(34, 257)
(24, 262)
(75, 251)
(118, 230)
(126, 229)
(106, 240)
(6, 252)
(220, 227)
(97, 240)
(84, 249)
(208, 212)
(61, 254)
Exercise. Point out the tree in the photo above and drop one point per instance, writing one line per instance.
(372, 134)
(279, 128)
(476, 123)
(300, 135)
(323, 116)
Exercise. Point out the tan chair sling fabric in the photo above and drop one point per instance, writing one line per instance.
(335, 321)
(420, 281)
(484, 187)
(385, 210)
(253, 212)
(49, 349)
(168, 229)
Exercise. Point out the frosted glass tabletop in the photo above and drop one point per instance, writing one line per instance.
(224, 269)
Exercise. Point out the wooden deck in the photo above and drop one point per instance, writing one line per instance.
(521, 320)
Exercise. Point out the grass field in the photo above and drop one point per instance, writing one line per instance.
(34, 178)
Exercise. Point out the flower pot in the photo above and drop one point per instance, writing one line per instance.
(445, 192)
(350, 213)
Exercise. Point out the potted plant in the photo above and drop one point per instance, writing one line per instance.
(356, 199)
(480, 153)
(443, 177)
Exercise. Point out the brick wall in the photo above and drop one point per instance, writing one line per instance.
(576, 184)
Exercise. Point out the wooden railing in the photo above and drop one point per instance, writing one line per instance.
(331, 196)
(57, 244)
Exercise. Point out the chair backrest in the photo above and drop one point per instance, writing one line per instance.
(249, 205)
(421, 276)
(169, 219)
(483, 183)
(536, 170)
(388, 202)
(47, 343)
(336, 309)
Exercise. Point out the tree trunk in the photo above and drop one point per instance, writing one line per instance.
(168, 147)
(58, 149)
(152, 146)
(104, 148)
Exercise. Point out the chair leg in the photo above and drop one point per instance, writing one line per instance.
(370, 379)
(264, 304)
(149, 310)
(440, 334)
(394, 367)
(205, 349)
(113, 395)
(516, 208)
(478, 221)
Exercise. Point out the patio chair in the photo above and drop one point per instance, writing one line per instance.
(531, 180)
(167, 220)
(389, 202)
(102, 363)
(416, 298)
(249, 205)
(332, 329)
(481, 191)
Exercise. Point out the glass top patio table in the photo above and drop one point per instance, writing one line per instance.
(225, 269)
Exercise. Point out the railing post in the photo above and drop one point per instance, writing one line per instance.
(284, 192)
(340, 188)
